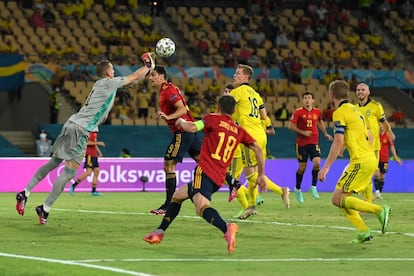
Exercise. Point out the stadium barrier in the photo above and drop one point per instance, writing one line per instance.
(123, 175)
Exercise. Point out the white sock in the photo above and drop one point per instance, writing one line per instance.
(46, 208)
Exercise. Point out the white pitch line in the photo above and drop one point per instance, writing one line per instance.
(240, 221)
(112, 269)
(256, 260)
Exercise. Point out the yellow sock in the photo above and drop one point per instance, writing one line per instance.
(353, 217)
(354, 203)
(251, 183)
(253, 192)
(256, 193)
(270, 185)
(242, 196)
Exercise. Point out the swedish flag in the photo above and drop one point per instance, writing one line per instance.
(12, 69)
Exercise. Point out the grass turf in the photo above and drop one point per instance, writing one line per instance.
(103, 236)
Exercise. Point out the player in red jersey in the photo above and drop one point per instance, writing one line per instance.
(221, 139)
(91, 163)
(387, 145)
(172, 106)
(305, 121)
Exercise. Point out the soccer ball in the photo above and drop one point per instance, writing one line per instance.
(165, 47)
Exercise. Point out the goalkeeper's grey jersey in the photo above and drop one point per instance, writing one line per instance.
(98, 104)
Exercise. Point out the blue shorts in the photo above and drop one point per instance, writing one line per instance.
(307, 152)
(202, 184)
(181, 143)
(91, 162)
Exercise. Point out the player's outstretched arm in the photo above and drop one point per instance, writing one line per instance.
(189, 126)
(140, 74)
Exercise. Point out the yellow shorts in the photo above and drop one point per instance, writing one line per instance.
(248, 155)
(236, 165)
(356, 176)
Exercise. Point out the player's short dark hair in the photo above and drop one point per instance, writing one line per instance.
(101, 68)
(229, 86)
(161, 70)
(307, 92)
(227, 104)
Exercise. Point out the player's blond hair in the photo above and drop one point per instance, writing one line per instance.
(339, 89)
(247, 70)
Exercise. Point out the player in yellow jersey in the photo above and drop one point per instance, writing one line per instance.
(374, 115)
(351, 132)
(236, 169)
(250, 110)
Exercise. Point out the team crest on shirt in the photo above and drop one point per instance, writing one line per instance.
(368, 112)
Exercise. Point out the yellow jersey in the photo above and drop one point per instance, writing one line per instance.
(248, 104)
(349, 121)
(266, 123)
(373, 113)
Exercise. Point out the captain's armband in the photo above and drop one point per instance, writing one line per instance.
(199, 125)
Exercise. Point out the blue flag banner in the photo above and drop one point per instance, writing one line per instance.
(12, 68)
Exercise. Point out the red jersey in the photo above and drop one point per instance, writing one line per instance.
(384, 154)
(221, 138)
(91, 149)
(307, 120)
(169, 95)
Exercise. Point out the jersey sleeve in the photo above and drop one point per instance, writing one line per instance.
(267, 123)
(116, 82)
(381, 113)
(339, 122)
(207, 120)
(319, 115)
(173, 94)
(295, 117)
(261, 103)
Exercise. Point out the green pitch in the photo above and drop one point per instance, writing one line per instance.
(88, 235)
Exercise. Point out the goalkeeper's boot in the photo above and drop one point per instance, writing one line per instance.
(21, 200)
(41, 214)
